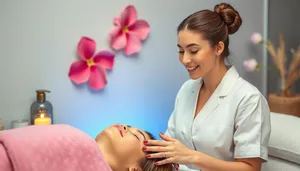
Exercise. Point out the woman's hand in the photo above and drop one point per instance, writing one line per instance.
(171, 149)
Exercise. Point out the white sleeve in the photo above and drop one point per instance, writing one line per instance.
(171, 123)
(252, 128)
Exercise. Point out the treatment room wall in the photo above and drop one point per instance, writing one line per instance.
(38, 40)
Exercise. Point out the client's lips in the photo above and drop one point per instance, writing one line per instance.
(120, 129)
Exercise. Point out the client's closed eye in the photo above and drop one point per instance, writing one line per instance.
(194, 52)
(136, 136)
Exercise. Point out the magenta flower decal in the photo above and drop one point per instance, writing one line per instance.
(129, 31)
(91, 67)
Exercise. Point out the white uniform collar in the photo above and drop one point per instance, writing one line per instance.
(226, 83)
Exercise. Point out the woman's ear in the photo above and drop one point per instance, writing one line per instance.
(135, 168)
(220, 48)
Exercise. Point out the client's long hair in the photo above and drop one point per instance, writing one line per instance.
(148, 164)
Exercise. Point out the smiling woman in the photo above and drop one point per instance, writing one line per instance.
(220, 122)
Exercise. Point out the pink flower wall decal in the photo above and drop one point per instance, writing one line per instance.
(91, 67)
(251, 65)
(129, 31)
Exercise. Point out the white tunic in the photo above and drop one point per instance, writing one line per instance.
(234, 123)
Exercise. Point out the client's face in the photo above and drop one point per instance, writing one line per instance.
(125, 142)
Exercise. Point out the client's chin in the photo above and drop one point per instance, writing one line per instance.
(108, 139)
(109, 133)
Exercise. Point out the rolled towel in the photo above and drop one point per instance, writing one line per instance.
(50, 148)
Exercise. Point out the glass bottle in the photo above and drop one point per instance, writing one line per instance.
(41, 104)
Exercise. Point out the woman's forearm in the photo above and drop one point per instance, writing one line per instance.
(208, 163)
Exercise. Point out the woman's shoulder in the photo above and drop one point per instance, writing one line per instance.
(245, 91)
(243, 87)
(189, 85)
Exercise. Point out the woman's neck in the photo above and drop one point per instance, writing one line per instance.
(109, 158)
(214, 77)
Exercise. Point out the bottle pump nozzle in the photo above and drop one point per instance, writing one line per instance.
(41, 95)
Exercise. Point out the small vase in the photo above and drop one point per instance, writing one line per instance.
(1, 125)
(19, 123)
(284, 105)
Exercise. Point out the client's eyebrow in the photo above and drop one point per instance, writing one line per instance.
(142, 134)
(139, 132)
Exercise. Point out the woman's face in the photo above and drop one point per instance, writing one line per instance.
(196, 54)
(125, 142)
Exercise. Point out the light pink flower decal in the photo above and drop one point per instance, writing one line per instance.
(129, 31)
(91, 67)
(256, 38)
(250, 65)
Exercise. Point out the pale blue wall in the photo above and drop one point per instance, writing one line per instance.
(38, 40)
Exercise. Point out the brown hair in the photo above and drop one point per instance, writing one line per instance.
(148, 164)
(215, 26)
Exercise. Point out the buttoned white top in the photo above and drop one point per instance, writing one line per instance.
(234, 122)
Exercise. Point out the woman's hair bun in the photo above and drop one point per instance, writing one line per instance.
(230, 16)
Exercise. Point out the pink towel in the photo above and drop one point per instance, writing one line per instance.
(49, 148)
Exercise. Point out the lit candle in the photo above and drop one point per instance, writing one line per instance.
(42, 120)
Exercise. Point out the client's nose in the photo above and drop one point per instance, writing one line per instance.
(125, 128)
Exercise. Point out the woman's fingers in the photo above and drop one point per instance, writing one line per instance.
(165, 161)
(155, 149)
(166, 138)
(160, 155)
(156, 143)
(167, 156)
(176, 166)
